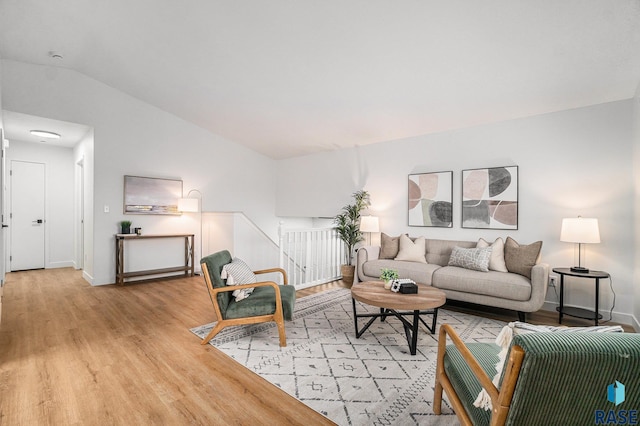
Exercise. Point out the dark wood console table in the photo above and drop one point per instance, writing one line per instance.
(187, 268)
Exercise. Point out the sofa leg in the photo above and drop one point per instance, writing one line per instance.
(521, 316)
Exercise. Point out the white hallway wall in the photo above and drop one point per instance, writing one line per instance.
(636, 168)
(576, 162)
(132, 137)
(83, 244)
(59, 184)
(2, 232)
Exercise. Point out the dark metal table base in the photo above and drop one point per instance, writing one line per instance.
(410, 328)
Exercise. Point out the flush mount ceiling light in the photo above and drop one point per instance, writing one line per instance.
(45, 134)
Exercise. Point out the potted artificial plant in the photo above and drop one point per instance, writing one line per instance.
(388, 275)
(348, 227)
(125, 227)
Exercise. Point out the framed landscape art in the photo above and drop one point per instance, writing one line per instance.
(144, 195)
(430, 199)
(490, 198)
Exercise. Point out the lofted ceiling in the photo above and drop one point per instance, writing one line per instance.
(288, 78)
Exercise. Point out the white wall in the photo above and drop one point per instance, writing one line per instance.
(636, 168)
(59, 189)
(83, 241)
(132, 137)
(2, 207)
(571, 163)
(236, 233)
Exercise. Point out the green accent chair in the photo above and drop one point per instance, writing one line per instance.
(268, 302)
(547, 378)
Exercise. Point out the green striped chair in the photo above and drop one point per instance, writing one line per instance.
(269, 301)
(547, 378)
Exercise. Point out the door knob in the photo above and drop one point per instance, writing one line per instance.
(38, 221)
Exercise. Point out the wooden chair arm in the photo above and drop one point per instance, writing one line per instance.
(483, 379)
(267, 271)
(217, 290)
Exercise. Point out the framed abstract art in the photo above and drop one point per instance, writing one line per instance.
(430, 199)
(490, 198)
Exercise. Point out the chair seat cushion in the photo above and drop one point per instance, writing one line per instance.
(464, 382)
(262, 302)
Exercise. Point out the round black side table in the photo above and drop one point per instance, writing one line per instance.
(579, 312)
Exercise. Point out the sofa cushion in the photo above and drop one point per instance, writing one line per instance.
(496, 284)
(496, 263)
(476, 259)
(411, 251)
(389, 246)
(520, 259)
(439, 251)
(418, 272)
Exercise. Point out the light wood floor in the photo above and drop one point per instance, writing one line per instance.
(72, 354)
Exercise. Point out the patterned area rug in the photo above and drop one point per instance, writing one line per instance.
(370, 380)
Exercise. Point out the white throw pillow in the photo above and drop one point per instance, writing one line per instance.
(237, 272)
(515, 328)
(476, 259)
(412, 251)
(496, 263)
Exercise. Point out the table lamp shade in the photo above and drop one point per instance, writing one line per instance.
(369, 224)
(580, 230)
(188, 205)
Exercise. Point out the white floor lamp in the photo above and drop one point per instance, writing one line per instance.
(369, 224)
(192, 205)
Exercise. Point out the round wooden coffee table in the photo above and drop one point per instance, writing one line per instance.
(426, 301)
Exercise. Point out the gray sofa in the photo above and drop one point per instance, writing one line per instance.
(498, 289)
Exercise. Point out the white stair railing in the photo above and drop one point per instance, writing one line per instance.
(310, 256)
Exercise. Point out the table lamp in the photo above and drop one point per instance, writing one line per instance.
(369, 224)
(580, 230)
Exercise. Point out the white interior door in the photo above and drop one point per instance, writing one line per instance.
(27, 215)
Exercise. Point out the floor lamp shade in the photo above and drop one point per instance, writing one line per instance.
(369, 224)
(580, 230)
(188, 205)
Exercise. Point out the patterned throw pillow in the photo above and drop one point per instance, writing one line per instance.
(476, 259)
(237, 272)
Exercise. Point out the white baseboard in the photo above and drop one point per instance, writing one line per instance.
(64, 264)
(88, 278)
(636, 324)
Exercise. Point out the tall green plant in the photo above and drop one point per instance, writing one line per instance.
(348, 223)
